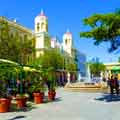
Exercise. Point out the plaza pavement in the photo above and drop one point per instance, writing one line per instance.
(72, 106)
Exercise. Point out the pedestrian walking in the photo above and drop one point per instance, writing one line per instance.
(114, 85)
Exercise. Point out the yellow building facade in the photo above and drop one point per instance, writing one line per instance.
(112, 68)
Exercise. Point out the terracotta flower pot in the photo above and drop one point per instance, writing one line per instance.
(4, 105)
(38, 98)
(21, 102)
(51, 95)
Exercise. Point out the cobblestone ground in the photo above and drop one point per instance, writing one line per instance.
(72, 106)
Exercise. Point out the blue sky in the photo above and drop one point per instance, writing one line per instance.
(63, 14)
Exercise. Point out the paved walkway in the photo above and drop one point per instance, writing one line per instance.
(72, 106)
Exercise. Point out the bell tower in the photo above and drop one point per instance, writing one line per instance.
(41, 23)
(67, 42)
(41, 33)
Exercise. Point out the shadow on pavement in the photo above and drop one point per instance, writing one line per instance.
(108, 98)
(17, 117)
(58, 99)
(29, 107)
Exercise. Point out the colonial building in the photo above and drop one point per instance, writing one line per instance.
(43, 41)
(16, 29)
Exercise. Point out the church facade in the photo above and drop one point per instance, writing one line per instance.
(43, 41)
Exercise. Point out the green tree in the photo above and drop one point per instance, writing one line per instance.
(71, 67)
(50, 59)
(96, 68)
(104, 28)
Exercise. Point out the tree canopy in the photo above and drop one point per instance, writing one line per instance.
(71, 67)
(104, 28)
(53, 59)
(50, 59)
(96, 67)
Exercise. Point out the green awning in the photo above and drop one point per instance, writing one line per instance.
(116, 68)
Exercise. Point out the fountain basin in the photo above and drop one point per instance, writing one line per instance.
(86, 87)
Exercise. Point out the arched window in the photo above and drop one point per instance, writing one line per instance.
(25, 37)
(38, 26)
(66, 41)
(42, 26)
(11, 35)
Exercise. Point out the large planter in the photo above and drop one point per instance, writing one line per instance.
(38, 97)
(51, 95)
(21, 102)
(4, 105)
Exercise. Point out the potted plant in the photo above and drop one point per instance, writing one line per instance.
(21, 100)
(21, 96)
(51, 85)
(37, 88)
(5, 100)
(7, 69)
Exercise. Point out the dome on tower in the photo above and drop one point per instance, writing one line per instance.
(68, 32)
(42, 14)
(68, 35)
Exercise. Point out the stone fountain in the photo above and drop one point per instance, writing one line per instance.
(84, 84)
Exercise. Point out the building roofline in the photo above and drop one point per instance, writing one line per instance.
(17, 25)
